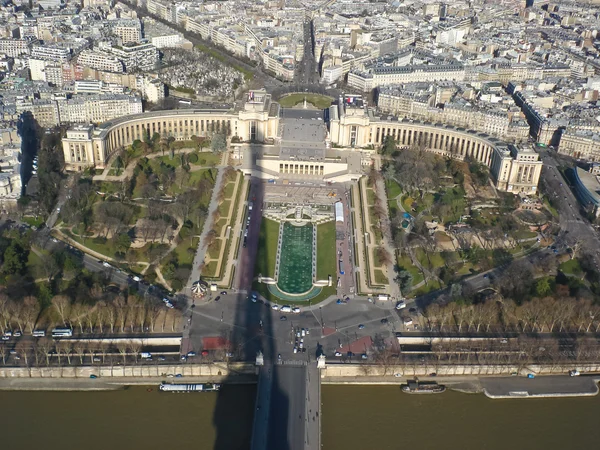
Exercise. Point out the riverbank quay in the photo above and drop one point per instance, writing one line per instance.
(110, 384)
(540, 387)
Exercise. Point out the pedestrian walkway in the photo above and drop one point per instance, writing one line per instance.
(208, 225)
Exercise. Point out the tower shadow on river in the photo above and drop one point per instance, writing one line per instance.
(251, 332)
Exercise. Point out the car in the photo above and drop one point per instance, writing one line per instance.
(283, 318)
(407, 321)
(350, 354)
(530, 375)
(275, 307)
(204, 353)
(370, 300)
(5, 338)
(285, 308)
(401, 304)
(190, 354)
(136, 278)
(12, 352)
(17, 333)
(97, 359)
(254, 295)
(338, 354)
(253, 299)
(339, 301)
(8, 333)
(296, 310)
(55, 240)
(217, 298)
(92, 376)
(169, 305)
(364, 356)
(295, 349)
(178, 375)
(361, 326)
(170, 375)
(384, 321)
(58, 209)
(183, 358)
(105, 264)
(574, 373)
(223, 292)
(162, 358)
(397, 375)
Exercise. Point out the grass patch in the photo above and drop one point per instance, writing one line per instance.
(525, 234)
(267, 248)
(263, 290)
(404, 263)
(210, 269)
(224, 208)
(215, 249)
(181, 251)
(326, 254)
(380, 278)
(393, 189)
(228, 191)
(433, 285)
(33, 221)
(571, 267)
(318, 101)
(207, 159)
(370, 196)
(433, 260)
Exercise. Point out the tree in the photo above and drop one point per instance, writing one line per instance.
(218, 143)
(15, 259)
(404, 279)
(542, 287)
(123, 242)
(389, 146)
(62, 305)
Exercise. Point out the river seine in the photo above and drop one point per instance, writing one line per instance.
(384, 418)
(353, 418)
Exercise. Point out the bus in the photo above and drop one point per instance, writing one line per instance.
(341, 267)
(62, 332)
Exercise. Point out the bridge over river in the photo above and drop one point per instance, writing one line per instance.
(288, 413)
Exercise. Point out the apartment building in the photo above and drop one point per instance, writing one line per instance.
(135, 56)
(100, 60)
(129, 30)
(16, 47)
(580, 144)
(53, 53)
(383, 76)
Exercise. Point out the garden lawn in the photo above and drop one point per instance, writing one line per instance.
(326, 255)
(393, 189)
(183, 257)
(380, 278)
(571, 267)
(405, 263)
(319, 101)
(267, 248)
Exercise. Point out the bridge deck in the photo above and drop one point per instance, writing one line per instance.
(288, 408)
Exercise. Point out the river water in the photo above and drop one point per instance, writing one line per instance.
(384, 418)
(128, 419)
(353, 418)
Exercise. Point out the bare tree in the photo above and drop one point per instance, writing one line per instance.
(30, 312)
(123, 347)
(62, 305)
(79, 347)
(44, 346)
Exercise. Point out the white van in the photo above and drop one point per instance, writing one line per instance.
(146, 355)
(285, 309)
